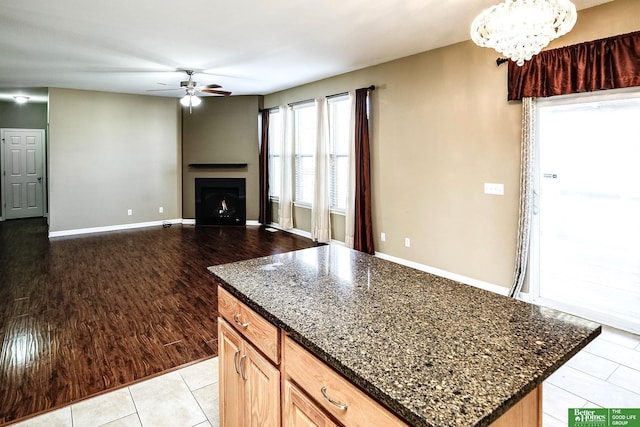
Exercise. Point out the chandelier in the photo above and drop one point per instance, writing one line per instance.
(519, 29)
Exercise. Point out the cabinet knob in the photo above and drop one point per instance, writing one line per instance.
(339, 405)
(236, 318)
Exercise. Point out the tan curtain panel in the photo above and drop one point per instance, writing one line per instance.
(527, 196)
(609, 63)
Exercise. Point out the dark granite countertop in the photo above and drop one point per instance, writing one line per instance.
(434, 351)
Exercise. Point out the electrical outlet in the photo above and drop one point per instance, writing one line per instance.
(161, 209)
(493, 188)
(407, 242)
(383, 237)
(130, 212)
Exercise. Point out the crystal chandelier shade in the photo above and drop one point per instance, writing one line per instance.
(519, 29)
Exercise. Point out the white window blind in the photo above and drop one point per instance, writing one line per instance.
(304, 131)
(339, 122)
(275, 155)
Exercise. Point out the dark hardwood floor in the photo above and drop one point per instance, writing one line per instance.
(83, 315)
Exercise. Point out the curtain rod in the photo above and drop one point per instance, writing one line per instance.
(293, 104)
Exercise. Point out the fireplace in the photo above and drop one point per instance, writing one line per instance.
(221, 201)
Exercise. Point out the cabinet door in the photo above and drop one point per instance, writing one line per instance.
(231, 387)
(300, 411)
(262, 390)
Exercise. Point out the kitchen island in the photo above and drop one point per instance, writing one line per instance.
(429, 350)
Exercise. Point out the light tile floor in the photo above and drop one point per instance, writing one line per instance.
(604, 374)
(187, 397)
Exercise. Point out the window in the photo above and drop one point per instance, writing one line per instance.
(339, 120)
(304, 135)
(275, 157)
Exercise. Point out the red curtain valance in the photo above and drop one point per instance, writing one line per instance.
(609, 63)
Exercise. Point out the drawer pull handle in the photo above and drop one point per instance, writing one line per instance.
(341, 406)
(236, 318)
(242, 367)
(235, 361)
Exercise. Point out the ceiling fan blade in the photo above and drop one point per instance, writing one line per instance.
(216, 92)
(212, 86)
(164, 90)
(132, 70)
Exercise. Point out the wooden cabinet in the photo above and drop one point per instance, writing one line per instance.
(332, 392)
(527, 412)
(262, 334)
(249, 383)
(313, 394)
(300, 411)
(231, 393)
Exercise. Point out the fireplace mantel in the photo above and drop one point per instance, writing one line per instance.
(217, 165)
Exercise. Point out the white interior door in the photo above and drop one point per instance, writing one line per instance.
(23, 172)
(588, 236)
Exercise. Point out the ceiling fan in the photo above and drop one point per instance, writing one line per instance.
(191, 88)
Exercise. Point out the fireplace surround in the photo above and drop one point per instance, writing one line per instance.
(220, 201)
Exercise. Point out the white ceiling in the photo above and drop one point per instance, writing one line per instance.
(248, 47)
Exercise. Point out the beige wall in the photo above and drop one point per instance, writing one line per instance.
(441, 128)
(221, 130)
(110, 153)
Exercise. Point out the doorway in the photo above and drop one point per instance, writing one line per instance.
(23, 173)
(586, 239)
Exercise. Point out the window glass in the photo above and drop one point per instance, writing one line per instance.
(304, 147)
(275, 161)
(339, 122)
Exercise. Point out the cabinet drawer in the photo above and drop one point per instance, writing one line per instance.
(351, 407)
(300, 411)
(262, 334)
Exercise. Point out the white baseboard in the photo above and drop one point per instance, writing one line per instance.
(183, 221)
(253, 222)
(299, 232)
(113, 228)
(447, 274)
(295, 231)
(526, 297)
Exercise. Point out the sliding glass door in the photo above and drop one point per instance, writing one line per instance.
(586, 240)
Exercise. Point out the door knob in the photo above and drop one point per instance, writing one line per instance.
(39, 178)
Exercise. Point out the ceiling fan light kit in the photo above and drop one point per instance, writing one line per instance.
(519, 29)
(190, 100)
